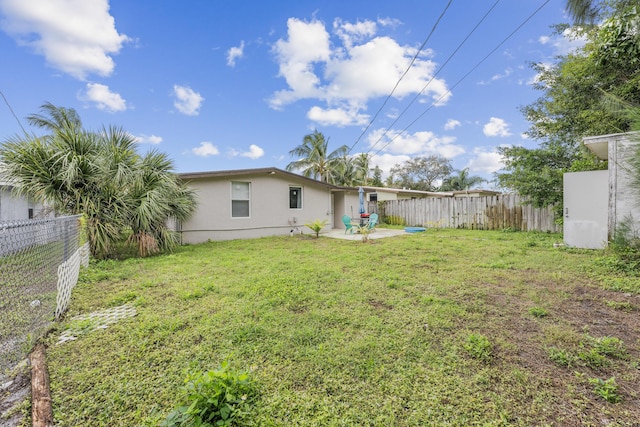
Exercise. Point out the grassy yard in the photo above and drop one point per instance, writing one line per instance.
(446, 327)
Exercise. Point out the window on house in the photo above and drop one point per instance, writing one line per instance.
(240, 192)
(373, 197)
(295, 197)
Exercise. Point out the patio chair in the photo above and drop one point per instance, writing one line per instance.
(373, 220)
(346, 220)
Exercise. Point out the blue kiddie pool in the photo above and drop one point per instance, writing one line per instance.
(414, 229)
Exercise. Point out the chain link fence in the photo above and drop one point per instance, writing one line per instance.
(39, 265)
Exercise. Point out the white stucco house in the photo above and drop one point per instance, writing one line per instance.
(597, 202)
(251, 203)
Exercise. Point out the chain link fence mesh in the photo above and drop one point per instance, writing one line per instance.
(39, 265)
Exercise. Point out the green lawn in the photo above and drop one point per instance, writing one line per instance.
(446, 327)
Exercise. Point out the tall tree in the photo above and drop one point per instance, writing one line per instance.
(461, 181)
(363, 168)
(420, 173)
(376, 180)
(571, 106)
(315, 160)
(100, 175)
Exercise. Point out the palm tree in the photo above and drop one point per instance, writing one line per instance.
(461, 181)
(99, 175)
(583, 11)
(314, 159)
(156, 194)
(363, 167)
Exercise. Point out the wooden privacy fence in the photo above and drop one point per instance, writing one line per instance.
(504, 211)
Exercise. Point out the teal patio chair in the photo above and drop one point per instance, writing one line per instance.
(346, 220)
(373, 220)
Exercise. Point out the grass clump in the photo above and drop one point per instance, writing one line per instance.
(606, 389)
(538, 312)
(479, 347)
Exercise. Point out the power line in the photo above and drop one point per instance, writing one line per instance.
(12, 112)
(435, 75)
(413, 60)
(465, 76)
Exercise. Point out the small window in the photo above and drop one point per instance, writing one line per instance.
(373, 197)
(30, 213)
(240, 192)
(295, 197)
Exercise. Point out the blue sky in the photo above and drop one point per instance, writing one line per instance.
(229, 85)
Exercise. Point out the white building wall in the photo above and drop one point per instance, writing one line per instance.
(624, 201)
(269, 208)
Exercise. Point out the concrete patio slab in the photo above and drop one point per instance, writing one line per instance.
(380, 233)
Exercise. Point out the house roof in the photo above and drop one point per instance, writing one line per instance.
(369, 189)
(245, 172)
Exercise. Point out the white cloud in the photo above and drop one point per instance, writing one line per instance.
(347, 72)
(235, 53)
(568, 42)
(187, 100)
(254, 152)
(506, 73)
(496, 127)
(77, 37)
(206, 149)
(418, 144)
(103, 98)
(486, 162)
(336, 116)
(452, 124)
(148, 139)
(350, 32)
(387, 161)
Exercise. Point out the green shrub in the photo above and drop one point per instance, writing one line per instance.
(221, 397)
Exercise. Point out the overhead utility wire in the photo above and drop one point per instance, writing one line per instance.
(402, 76)
(465, 76)
(11, 109)
(434, 76)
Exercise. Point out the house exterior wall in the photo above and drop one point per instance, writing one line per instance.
(14, 207)
(384, 196)
(269, 208)
(624, 201)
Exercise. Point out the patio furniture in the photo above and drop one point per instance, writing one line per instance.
(373, 220)
(346, 220)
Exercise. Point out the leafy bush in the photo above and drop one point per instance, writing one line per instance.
(221, 397)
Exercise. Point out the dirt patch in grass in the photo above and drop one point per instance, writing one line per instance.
(573, 321)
